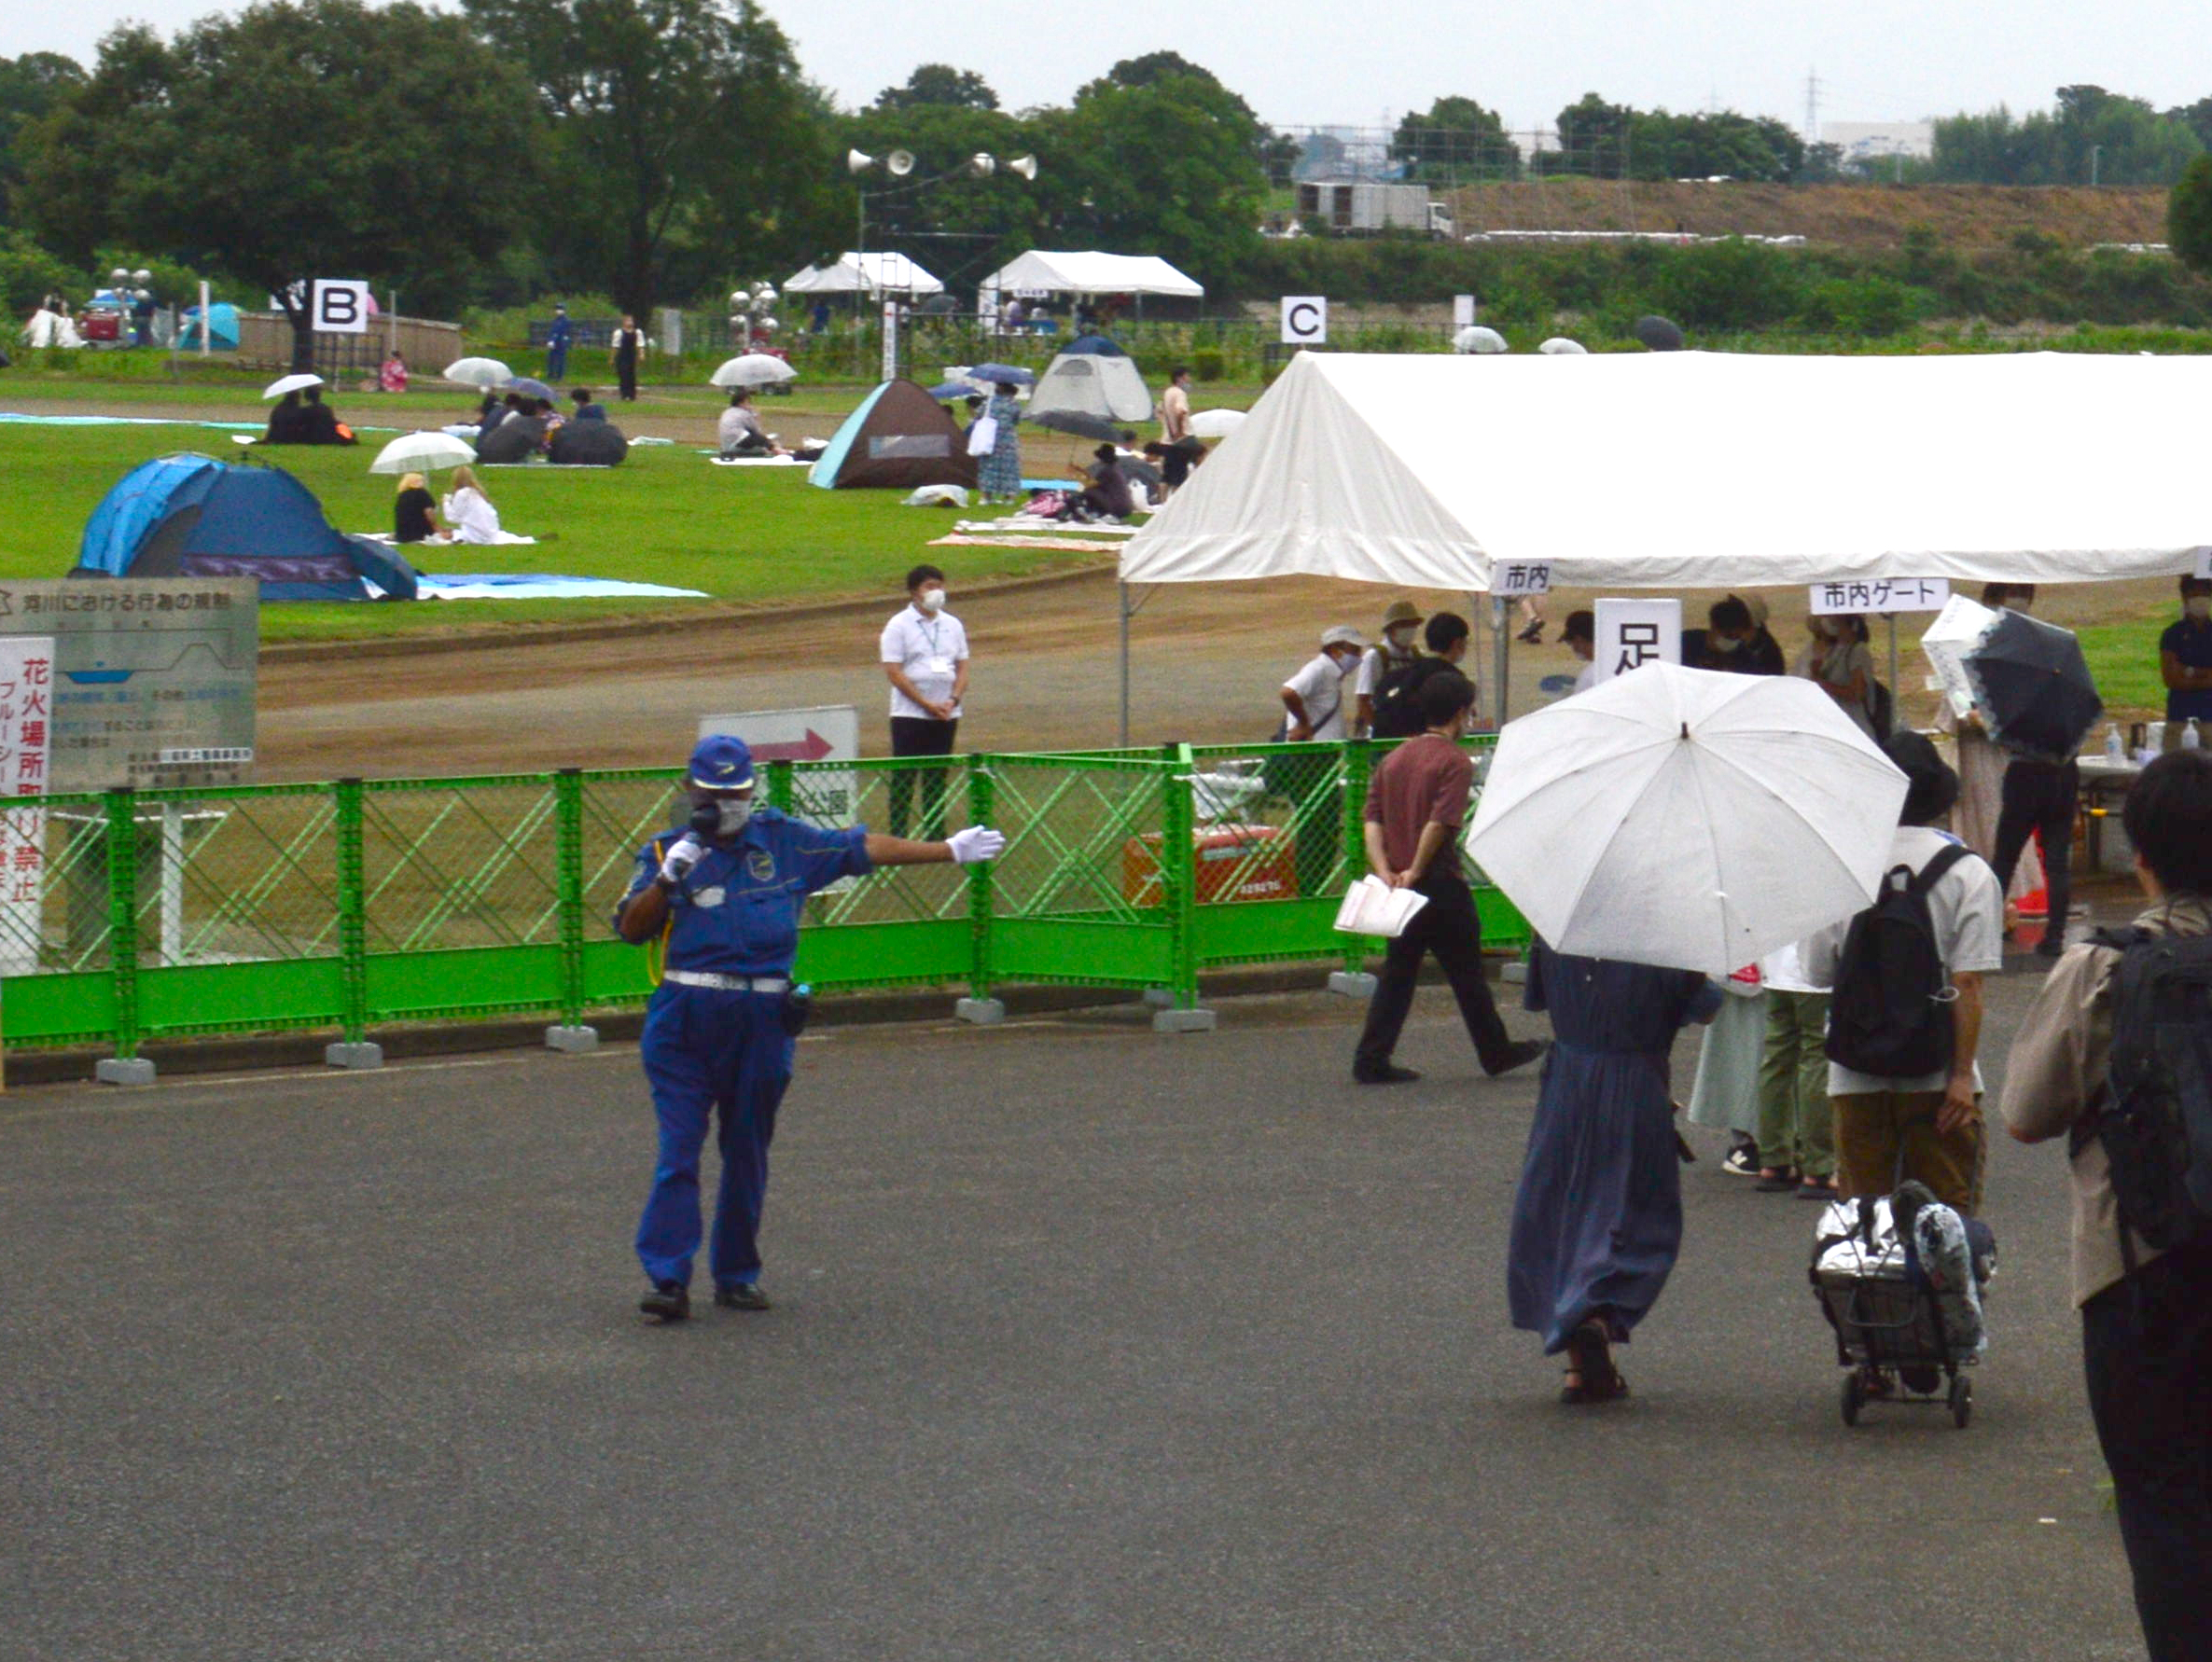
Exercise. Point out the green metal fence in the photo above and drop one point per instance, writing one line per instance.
(129, 916)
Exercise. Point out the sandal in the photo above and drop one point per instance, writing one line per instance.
(1774, 1180)
(1818, 1188)
(1591, 1351)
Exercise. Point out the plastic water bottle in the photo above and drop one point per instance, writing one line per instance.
(2191, 738)
(2115, 747)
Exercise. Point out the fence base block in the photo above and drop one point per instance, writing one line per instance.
(1350, 984)
(362, 1054)
(123, 1070)
(1158, 998)
(983, 1012)
(1514, 974)
(1183, 1021)
(573, 1041)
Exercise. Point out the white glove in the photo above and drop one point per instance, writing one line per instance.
(676, 864)
(975, 842)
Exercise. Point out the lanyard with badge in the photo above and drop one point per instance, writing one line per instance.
(939, 662)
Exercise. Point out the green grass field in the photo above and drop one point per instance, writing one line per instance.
(744, 536)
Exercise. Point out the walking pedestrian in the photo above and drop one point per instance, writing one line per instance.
(1000, 476)
(1796, 1140)
(725, 895)
(1598, 1217)
(557, 340)
(925, 656)
(2146, 1314)
(1415, 806)
(2038, 796)
(629, 342)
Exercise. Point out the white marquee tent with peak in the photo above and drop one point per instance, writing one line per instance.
(1699, 470)
(1041, 272)
(864, 274)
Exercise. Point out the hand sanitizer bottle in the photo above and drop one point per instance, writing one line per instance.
(2191, 738)
(2115, 747)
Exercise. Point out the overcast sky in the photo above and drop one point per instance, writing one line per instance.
(1308, 62)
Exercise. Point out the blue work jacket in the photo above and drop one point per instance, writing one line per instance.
(736, 913)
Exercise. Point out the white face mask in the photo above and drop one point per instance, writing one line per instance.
(732, 815)
(2198, 606)
(933, 600)
(1400, 641)
(1724, 643)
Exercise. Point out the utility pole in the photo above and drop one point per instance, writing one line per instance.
(2097, 154)
(1812, 106)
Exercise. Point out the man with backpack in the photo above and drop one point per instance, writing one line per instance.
(1396, 712)
(2116, 1055)
(1905, 1017)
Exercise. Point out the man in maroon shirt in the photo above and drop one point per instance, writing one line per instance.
(1415, 808)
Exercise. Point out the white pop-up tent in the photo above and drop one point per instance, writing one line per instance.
(1040, 271)
(864, 274)
(1693, 470)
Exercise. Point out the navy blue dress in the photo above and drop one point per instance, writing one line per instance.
(1597, 1220)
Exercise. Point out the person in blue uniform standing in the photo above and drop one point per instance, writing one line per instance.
(557, 340)
(726, 895)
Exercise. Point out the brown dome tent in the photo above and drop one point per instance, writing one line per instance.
(900, 438)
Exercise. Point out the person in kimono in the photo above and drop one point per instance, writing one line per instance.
(1597, 1219)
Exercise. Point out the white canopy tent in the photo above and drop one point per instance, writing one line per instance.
(1687, 470)
(1092, 274)
(864, 273)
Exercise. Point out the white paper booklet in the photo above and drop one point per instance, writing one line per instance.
(1373, 906)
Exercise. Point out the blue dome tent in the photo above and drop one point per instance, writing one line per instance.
(188, 515)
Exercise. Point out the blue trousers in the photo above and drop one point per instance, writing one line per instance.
(556, 361)
(708, 1052)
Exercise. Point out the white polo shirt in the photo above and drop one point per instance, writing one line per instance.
(1320, 687)
(929, 648)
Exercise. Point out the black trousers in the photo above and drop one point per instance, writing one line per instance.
(2040, 796)
(1450, 927)
(626, 378)
(2151, 1392)
(920, 736)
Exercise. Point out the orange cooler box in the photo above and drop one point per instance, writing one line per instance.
(1234, 862)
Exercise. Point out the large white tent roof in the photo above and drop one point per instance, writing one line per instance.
(1693, 470)
(1092, 274)
(864, 273)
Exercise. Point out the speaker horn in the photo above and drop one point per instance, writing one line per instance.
(900, 163)
(1025, 165)
(859, 161)
(982, 164)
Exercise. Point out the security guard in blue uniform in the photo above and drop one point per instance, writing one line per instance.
(726, 895)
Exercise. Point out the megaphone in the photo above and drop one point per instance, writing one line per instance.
(900, 163)
(859, 161)
(1025, 165)
(982, 164)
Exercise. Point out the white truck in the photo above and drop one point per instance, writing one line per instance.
(1358, 207)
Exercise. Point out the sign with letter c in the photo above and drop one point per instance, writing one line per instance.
(1305, 319)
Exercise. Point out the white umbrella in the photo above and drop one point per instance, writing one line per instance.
(1476, 338)
(290, 383)
(753, 369)
(1559, 346)
(422, 452)
(479, 372)
(1216, 424)
(1688, 818)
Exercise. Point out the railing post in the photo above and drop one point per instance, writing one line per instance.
(570, 1033)
(354, 1049)
(126, 1066)
(783, 790)
(979, 1006)
(1353, 981)
(1178, 879)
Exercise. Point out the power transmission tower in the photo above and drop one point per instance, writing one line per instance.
(1812, 85)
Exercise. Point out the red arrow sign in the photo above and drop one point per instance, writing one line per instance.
(812, 748)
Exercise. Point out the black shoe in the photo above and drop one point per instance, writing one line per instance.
(1518, 1056)
(666, 1302)
(1389, 1074)
(2051, 946)
(1743, 1160)
(740, 1296)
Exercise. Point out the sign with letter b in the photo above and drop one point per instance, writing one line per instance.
(1305, 319)
(340, 308)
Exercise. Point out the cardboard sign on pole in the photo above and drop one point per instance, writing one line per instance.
(337, 307)
(1634, 632)
(1305, 319)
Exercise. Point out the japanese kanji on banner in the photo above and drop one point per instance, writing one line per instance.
(1880, 595)
(26, 719)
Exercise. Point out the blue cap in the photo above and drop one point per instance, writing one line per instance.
(721, 763)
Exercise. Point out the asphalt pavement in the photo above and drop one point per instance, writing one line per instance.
(1088, 1343)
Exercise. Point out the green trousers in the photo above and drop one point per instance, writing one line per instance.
(1796, 1125)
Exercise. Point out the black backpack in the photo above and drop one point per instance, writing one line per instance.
(2156, 1122)
(1397, 700)
(1890, 1013)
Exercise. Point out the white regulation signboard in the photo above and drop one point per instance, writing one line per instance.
(1511, 579)
(826, 733)
(1305, 319)
(26, 722)
(340, 307)
(1881, 594)
(1634, 632)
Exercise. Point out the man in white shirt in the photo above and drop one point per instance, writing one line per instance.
(1174, 430)
(1401, 623)
(1926, 1127)
(1313, 705)
(925, 656)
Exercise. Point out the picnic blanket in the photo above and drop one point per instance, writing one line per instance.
(536, 585)
(722, 460)
(1023, 522)
(506, 539)
(1068, 544)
